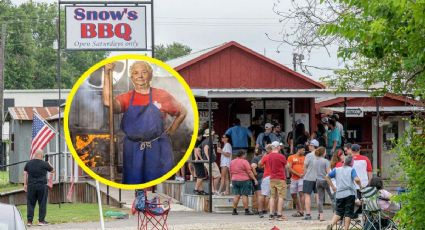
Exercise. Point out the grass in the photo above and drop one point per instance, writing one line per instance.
(5, 186)
(70, 212)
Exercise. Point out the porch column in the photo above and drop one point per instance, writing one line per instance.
(287, 120)
(378, 138)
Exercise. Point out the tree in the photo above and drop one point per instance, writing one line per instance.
(30, 56)
(382, 44)
(171, 51)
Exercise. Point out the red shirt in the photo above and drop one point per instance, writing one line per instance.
(277, 163)
(239, 169)
(166, 103)
(264, 161)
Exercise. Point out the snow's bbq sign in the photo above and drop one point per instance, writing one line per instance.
(106, 28)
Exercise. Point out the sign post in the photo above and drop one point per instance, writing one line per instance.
(106, 28)
(354, 112)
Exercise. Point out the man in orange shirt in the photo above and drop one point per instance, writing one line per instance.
(296, 167)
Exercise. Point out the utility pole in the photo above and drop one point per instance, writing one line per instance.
(2, 65)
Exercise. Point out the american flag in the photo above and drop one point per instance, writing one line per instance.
(42, 133)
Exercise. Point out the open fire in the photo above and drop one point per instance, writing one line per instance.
(93, 149)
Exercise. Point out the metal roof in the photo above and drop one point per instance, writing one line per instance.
(276, 93)
(183, 59)
(26, 113)
(381, 108)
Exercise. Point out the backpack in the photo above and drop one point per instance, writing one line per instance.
(140, 202)
(266, 140)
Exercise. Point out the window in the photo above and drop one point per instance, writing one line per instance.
(8, 103)
(52, 102)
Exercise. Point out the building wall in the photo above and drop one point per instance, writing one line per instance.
(21, 147)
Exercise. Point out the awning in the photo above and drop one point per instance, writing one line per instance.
(381, 109)
(276, 93)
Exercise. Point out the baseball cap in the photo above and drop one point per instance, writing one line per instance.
(355, 147)
(325, 120)
(268, 125)
(275, 144)
(314, 142)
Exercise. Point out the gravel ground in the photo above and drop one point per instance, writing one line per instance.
(197, 220)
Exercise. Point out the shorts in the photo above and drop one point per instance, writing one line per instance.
(258, 186)
(265, 186)
(309, 187)
(200, 170)
(345, 206)
(242, 187)
(296, 186)
(215, 171)
(279, 187)
(225, 162)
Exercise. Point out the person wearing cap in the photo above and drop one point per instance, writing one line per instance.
(334, 139)
(345, 192)
(277, 163)
(310, 176)
(205, 148)
(296, 168)
(267, 137)
(265, 181)
(239, 136)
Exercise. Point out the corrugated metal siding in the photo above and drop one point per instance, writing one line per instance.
(235, 68)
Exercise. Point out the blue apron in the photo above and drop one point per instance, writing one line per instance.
(148, 154)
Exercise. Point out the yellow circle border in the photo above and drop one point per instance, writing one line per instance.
(150, 60)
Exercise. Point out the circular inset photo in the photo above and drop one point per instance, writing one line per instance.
(131, 121)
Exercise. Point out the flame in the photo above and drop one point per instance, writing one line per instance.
(86, 147)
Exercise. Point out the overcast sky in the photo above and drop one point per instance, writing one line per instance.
(206, 23)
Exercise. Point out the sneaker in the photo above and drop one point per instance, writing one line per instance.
(235, 212)
(43, 223)
(249, 213)
(271, 217)
(29, 224)
(261, 215)
(307, 217)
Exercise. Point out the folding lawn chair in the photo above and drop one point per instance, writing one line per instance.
(151, 214)
(374, 217)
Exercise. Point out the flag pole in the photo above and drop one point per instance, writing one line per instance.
(45, 122)
(111, 127)
(99, 201)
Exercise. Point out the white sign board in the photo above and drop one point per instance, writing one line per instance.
(354, 112)
(106, 28)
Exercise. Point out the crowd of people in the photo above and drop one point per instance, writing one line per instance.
(310, 166)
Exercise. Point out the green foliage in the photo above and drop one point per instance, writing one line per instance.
(411, 157)
(30, 56)
(384, 43)
(168, 52)
(71, 212)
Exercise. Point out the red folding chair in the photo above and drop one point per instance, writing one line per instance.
(154, 215)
